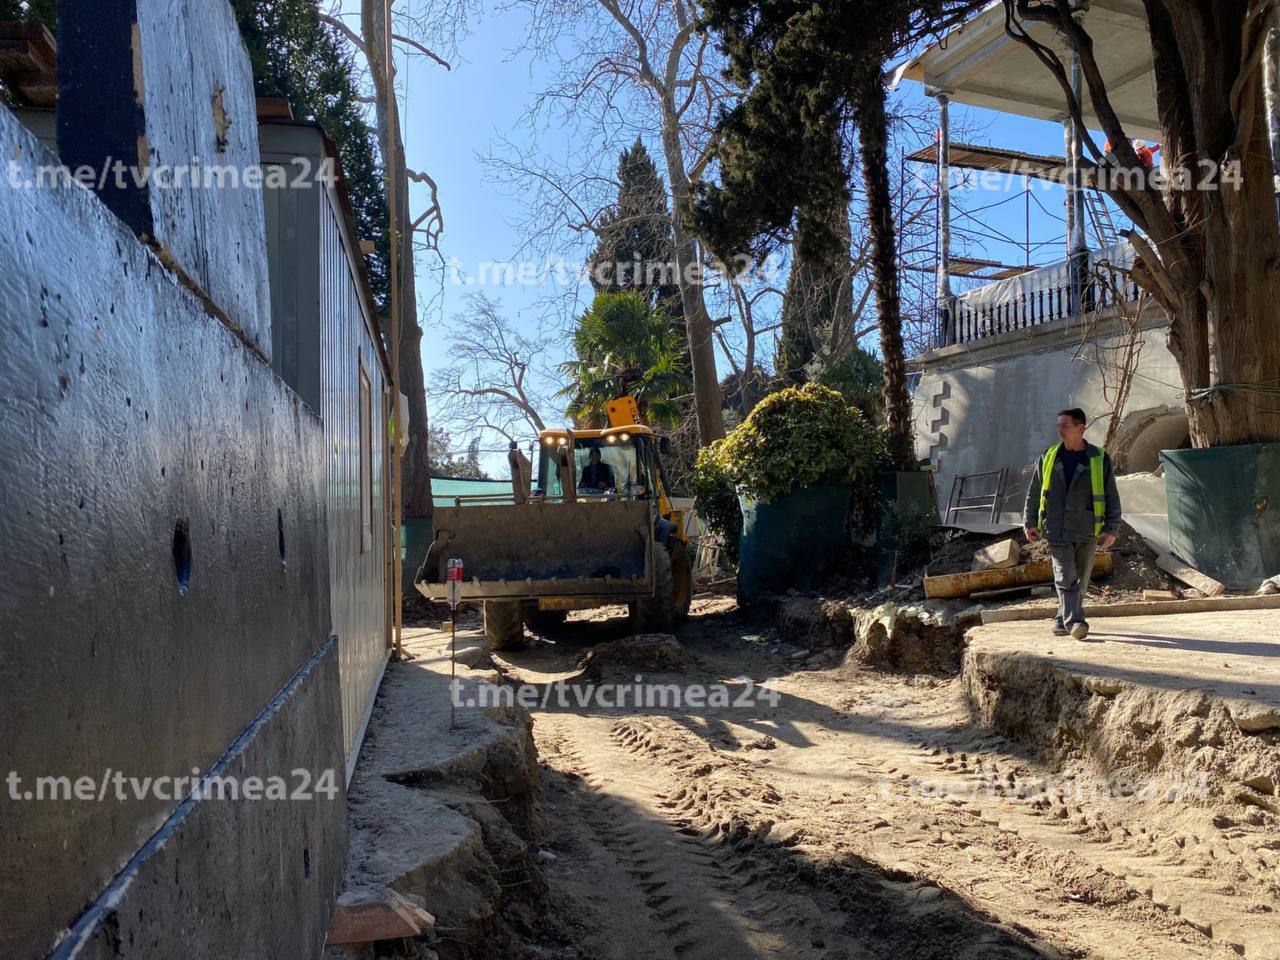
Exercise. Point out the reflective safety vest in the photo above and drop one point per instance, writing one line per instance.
(1095, 480)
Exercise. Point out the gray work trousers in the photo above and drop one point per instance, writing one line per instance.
(1072, 567)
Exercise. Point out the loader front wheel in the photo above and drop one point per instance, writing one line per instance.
(681, 581)
(656, 613)
(503, 624)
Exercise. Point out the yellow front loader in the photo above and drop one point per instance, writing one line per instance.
(597, 527)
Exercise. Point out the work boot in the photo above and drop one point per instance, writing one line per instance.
(1058, 629)
(1080, 630)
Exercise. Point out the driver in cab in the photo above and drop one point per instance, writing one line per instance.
(596, 476)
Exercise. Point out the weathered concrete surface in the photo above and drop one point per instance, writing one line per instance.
(151, 466)
(443, 817)
(165, 86)
(1184, 694)
(991, 404)
(240, 878)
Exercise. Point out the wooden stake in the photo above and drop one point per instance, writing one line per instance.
(453, 666)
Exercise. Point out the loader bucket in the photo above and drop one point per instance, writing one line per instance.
(540, 549)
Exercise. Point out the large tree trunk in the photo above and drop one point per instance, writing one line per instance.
(1213, 256)
(817, 306)
(707, 400)
(873, 133)
(415, 474)
(1222, 329)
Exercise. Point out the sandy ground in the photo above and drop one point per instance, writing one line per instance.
(859, 813)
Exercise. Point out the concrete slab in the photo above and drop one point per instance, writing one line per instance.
(1232, 655)
(1183, 693)
(438, 814)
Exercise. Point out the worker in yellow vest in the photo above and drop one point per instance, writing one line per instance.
(1073, 503)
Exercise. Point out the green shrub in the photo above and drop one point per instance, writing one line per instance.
(715, 498)
(799, 437)
(806, 436)
(907, 530)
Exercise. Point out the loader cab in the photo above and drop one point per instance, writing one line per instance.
(628, 453)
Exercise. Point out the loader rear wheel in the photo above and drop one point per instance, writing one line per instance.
(503, 624)
(656, 613)
(682, 580)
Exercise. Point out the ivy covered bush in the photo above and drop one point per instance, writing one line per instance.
(715, 498)
(808, 436)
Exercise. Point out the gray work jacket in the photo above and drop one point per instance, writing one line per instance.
(1069, 509)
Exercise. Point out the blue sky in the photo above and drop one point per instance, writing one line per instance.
(453, 117)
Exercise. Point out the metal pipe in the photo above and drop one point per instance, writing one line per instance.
(944, 296)
(1077, 248)
(393, 136)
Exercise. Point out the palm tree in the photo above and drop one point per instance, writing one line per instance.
(623, 346)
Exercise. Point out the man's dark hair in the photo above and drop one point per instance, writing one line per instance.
(1076, 414)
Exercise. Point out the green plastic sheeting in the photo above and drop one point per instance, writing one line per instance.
(443, 491)
(1224, 510)
(415, 535)
(791, 542)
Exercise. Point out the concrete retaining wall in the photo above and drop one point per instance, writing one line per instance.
(992, 404)
(165, 604)
(165, 86)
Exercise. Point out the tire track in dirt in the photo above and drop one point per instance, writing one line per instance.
(1224, 890)
(688, 891)
(1083, 908)
(828, 817)
(723, 885)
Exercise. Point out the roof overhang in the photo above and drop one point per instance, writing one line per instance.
(980, 65)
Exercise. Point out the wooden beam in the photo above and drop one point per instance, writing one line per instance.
(1188, 575)
(1039, 590)
(1159, 595)
(963, 584)
(1144, 609)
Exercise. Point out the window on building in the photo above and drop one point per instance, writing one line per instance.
(366, 463)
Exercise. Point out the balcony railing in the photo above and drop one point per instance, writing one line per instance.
(1041, 296)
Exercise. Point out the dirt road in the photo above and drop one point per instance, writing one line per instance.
(852, 813)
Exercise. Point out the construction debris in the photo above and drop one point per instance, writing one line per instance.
(964, 584)
(1011, 593)
(1159, 595)
(1003, 553)
(1189, 575)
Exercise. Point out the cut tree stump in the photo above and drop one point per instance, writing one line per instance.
(953, 585)
(1002, 554)
(374, 920)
